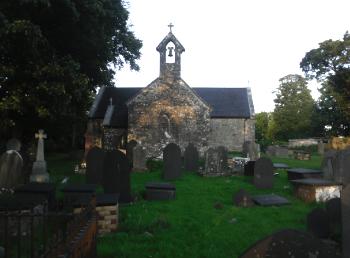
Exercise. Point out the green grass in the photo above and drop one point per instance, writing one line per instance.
(191, 226)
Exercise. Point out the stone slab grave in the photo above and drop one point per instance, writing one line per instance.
(270, 200)
(107, 208)
(316, 189)
(242, 199)
(263, 173)
(116, 175)
(318, 223)
(290, 243)
(39, 171)
(73, 191)
(216, 162)
(280, 166)
(46, 190)
(191, 158)
(11, 169)
(345, 215)
(172, 162)
(94, 165)
(249, 168)
(300, 173)
(160, 191)
(139, 159)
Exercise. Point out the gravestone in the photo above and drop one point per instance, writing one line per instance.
(249, 168)
(333, 209)
(191, 158)
(242, 199)
(11, 174)
(320, 147)
(328, 163)
(251, 150)
(172, 162)
(130, 151)
(39, 172)
(318, 223)
(139, 159)
(345, 215)
(94, 165)
(341, 167)
(13, 144)
(116, 175)
(291, 243)
(216, 161)
(281, 151)
(263, 173)
(270, 200)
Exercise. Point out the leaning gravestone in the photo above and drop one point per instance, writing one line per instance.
(130, 151)
(216, 161)
(191, 158)
(172, 162)
(345, 215)
(139, 159)
(39, 172)
(263, 173)
(291, 243)
(11, 173)
(94, 165)
(318, 223)
(242, 199)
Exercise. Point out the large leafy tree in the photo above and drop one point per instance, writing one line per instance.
(330, 64)
(293, 108)
(53, 56)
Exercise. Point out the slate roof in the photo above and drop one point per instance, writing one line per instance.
(225, 103)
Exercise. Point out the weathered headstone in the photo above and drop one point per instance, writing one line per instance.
(242, 199)
(341, 167)
(251, 150)
(172, 162)
(318, 223)
(130, 151)
(216, 161)
(39, 172)
(249, 168)
(263, 173)
(291, 243)
(191, 158)
(94, 165)
(13, 144)
(320, 147)
(139, 158)
(328, 163)
(11, 174)
(116, 175)
(345, 215)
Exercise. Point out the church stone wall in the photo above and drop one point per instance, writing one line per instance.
(231, 132)
(168, 111)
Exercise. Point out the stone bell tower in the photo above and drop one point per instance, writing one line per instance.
(170, 50)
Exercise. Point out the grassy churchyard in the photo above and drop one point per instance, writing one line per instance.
(202, 221)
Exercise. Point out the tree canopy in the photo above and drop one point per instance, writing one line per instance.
(53, 56)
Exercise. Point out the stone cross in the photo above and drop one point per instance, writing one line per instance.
(170, 26)
(40, 151)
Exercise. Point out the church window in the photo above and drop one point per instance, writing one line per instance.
(170, 53)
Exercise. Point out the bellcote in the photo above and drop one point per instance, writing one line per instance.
(170, 50)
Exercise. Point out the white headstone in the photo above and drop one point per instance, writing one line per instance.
(39, 172)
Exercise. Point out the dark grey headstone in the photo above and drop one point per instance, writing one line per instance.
(94, 165)
(345, 211)
(172, 162)
(111, 173)
(139, 159)
(11, 174)
(270, 200)
(216, 161)
(191, 158)
(160, 191)
(328, 163)
(130, 151)
(263, 173)
(341, 167)
(333, 209)
(13, 144)
(125, 183)
(242, 199)
(249, 168)
(318, 223)
(290, 243)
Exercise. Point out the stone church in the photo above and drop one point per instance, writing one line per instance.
(169, 110)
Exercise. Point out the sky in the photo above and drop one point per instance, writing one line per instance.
(234, 43)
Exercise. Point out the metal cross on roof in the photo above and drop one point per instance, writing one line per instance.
(170, 26)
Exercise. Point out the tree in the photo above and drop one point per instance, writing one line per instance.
(293, 108)
(53, 56)
(330, 64)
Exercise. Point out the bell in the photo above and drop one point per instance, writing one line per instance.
(170, 51)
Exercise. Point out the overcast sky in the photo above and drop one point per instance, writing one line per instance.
(230, 43)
